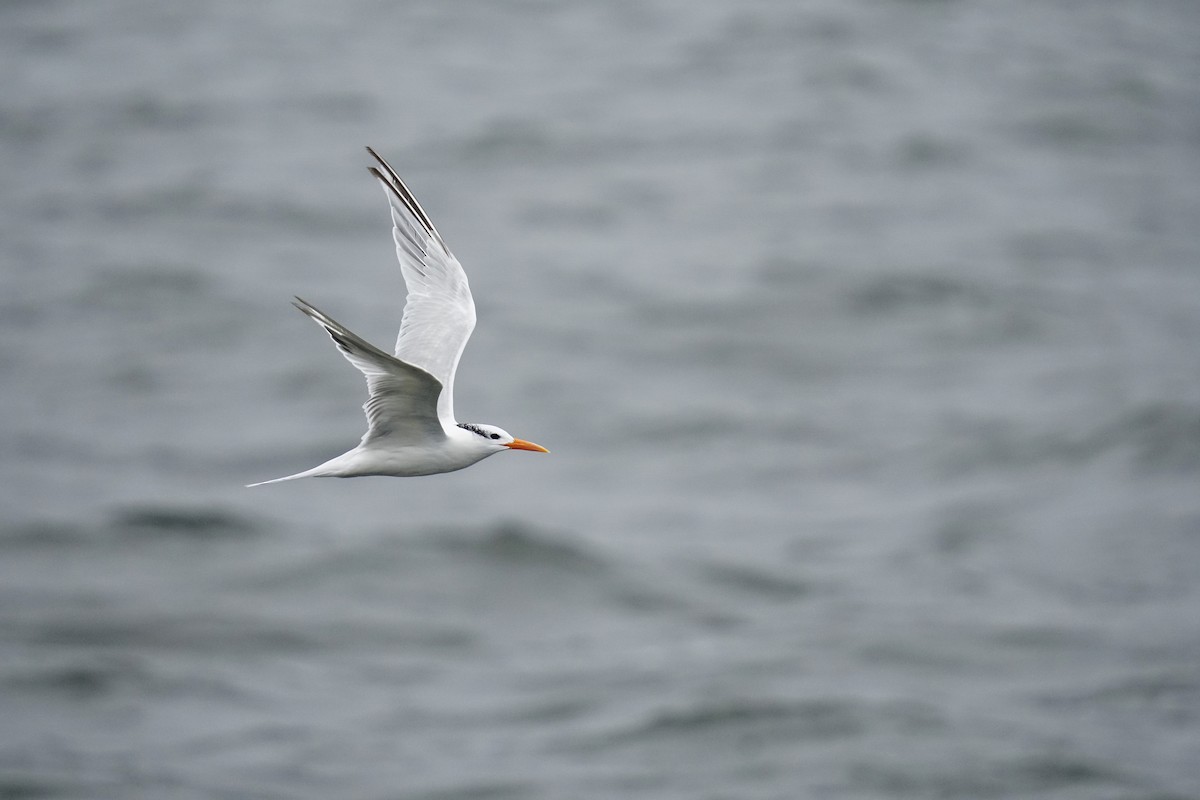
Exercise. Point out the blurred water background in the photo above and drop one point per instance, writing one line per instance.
(865, 335)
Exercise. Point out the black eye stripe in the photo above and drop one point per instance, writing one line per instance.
(475, 429)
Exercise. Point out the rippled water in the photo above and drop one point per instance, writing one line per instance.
(864, 336)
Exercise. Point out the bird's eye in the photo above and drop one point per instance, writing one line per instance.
(495, 436)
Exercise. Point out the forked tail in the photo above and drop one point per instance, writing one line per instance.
(308, 473)
(341, 466)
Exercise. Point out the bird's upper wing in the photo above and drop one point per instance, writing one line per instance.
(439, 313)
(402, 399)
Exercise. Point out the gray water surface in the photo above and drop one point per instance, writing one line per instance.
(865, 335)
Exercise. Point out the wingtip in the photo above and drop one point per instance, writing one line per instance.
(312, 312)
(377, 158)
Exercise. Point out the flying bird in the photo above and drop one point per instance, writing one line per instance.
(411, 428)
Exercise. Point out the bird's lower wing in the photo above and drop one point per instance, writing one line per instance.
(402, 398)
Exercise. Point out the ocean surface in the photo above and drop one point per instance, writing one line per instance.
(865, 337)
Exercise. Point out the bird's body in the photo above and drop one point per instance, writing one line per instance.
(399, 460)
(411, 428)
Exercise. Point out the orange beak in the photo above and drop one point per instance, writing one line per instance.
(521, 444)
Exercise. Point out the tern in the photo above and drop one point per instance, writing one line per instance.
(411, 428)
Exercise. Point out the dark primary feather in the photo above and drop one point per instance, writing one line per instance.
(406, 198)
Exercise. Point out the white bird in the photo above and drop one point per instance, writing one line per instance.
(411, 428)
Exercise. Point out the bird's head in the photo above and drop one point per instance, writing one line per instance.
(496, 439)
